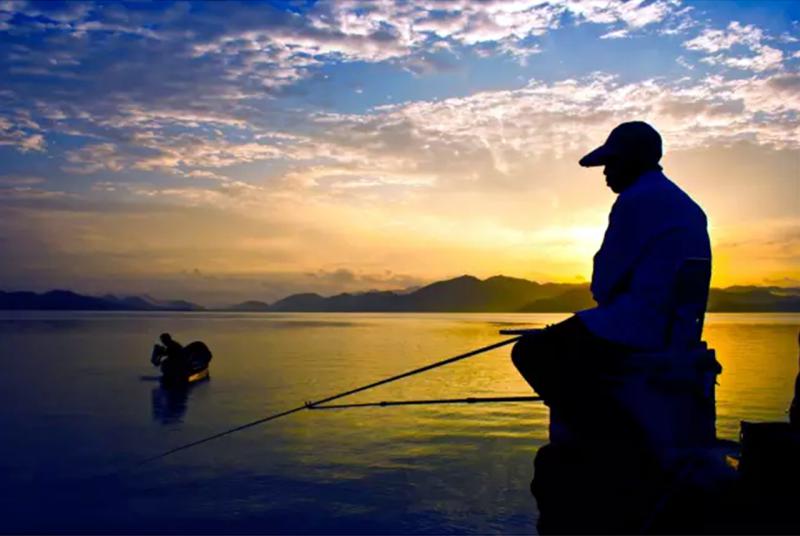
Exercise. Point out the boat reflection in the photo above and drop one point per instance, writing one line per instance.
(170, 403)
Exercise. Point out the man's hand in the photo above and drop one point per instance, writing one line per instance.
(158, 353)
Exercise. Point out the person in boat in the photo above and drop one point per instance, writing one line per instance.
(652, 228)
(170, 354)
(178, 361)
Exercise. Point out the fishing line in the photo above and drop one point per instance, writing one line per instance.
(311, 405)
(470, 400)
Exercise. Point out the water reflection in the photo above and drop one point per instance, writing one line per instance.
(171, 403)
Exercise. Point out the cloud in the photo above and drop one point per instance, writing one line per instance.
(635, 13)
(28, 193)
(216, 62)
(475, 141)
(20, 180)
(169, 153)
(47, 13)
(93, 158)
(561, 117)
(359, 280)
(711, 40)
(765, 58)
(199, 112)
(718, 45)
(616, 34)
(428, 63)
(186, 89)
(14, 134)
(205, 174)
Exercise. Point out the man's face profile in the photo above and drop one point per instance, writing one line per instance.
(620, 174)
(615, 177)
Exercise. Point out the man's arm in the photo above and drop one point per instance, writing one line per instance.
(622, 244)
(158, 353)
(640, 316)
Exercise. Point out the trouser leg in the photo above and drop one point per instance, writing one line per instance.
(560, 360)
(601, 481)
(566, 365)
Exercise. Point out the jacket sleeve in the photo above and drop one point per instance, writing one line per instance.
(640, 316)
(616, 257)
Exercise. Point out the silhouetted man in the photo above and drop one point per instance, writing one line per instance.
(653, 227)
(173, 347)
(170, 352)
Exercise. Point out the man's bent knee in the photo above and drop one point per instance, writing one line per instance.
(521, 353)
(525, 357)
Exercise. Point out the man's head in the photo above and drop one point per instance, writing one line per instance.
(630, 150)
(166, 338)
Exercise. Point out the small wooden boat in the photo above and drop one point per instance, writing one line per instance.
(187, 367)
(172, 378)
(198, 376)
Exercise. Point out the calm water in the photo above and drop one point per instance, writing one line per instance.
(80, 403)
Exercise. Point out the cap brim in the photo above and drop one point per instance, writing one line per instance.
(598, 157)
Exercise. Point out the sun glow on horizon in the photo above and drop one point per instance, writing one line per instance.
(380, 146)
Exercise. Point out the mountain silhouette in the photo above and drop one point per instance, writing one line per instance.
(508, 294)
(460, 294)
(66, 300)
(249, 306)
(53, 300)
(746, 299)
(572, 300)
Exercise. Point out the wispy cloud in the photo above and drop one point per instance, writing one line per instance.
(616, 34)
(15, 134)
(757, 56)
(711, 40)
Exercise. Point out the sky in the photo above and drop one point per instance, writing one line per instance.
(221, 151)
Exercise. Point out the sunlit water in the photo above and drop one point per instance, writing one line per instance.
(80, 407)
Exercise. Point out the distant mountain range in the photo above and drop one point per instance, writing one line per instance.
(66, 300)
(461, 294)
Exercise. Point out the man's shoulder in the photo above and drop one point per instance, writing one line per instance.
(651, 183)
(657, 186)
(682, 199)
(656, 196)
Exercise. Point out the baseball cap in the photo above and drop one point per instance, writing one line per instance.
(635, 142)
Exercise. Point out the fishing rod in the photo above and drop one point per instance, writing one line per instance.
(519, 331)
(312, 405)
(470, 400)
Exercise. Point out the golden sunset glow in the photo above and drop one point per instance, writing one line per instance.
(254, 161)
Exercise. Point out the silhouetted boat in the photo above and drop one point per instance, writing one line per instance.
(192, 377)
(189, 368)
(198, 376)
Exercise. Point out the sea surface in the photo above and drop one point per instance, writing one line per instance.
(81, 406)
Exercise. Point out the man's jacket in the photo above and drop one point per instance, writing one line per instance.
(653, 227)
